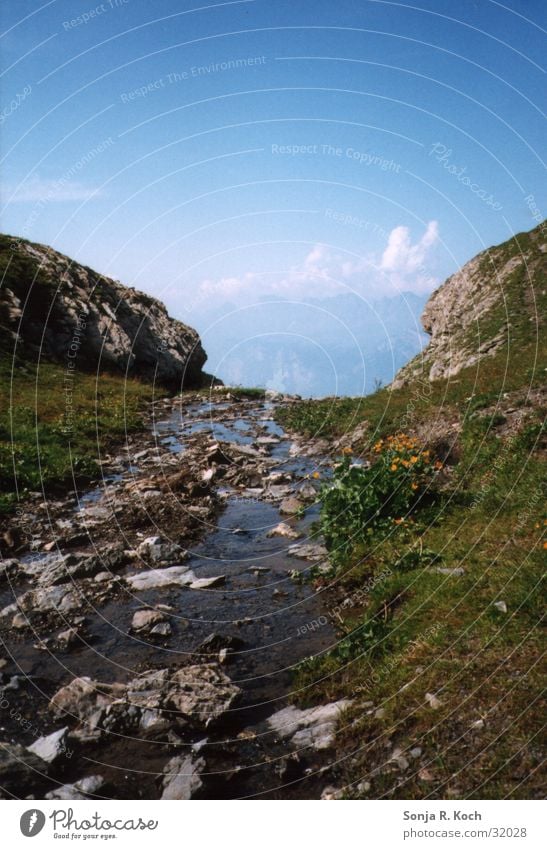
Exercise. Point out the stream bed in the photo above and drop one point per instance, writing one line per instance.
(229, 599)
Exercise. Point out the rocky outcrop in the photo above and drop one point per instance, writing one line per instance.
(72, 315)
(489, 303)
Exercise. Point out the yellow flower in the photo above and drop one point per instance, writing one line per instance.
(414, 485)
(347, 450)
(393, 467)
(545, 545)
(414, 459)
(316, 475)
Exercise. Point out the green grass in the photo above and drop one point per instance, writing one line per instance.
(54, 428)
(416, 631)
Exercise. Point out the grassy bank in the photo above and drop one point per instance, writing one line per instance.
(55, 425)
(436, 570)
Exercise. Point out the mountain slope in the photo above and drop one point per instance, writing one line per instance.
(437, 548)
(72, 315)
(496, 301)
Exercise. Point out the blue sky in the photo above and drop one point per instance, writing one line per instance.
(245, 150)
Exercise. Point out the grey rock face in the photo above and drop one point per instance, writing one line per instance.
(93, 321)
(466, 318)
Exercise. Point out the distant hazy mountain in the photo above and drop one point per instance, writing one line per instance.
(335, 346)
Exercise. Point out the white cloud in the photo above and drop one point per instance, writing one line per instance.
(404, 257)
(40, 190)
(324, 273)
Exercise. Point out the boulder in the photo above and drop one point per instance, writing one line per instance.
(197, 695)
(144, 620)
(159, 550)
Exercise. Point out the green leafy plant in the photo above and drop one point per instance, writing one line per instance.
(364, 502)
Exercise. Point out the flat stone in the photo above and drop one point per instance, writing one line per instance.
(207, 583)
(182, 777)
(309, 551)
(456, 572)
(314, 727)
(180, 575)
(163, 629)
(82, 789)
(51, 747)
